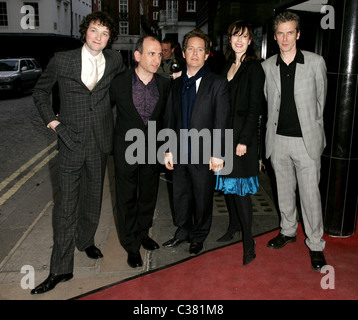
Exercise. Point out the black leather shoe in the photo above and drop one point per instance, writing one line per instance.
(51, 282)
(149, 244)
(317, 260)
(195, 247)
(249, 254)
(172, 243)
(134, 260)
(93, 252)
(280, 241)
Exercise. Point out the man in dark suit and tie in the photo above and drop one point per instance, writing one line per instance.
(85, 133)
(140, 96)
(199, 102)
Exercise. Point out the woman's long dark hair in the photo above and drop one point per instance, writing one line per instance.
(104, 19)
(239, 27)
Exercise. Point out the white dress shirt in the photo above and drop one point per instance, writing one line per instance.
(87, 65)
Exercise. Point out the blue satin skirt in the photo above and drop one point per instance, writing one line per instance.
(239, 186)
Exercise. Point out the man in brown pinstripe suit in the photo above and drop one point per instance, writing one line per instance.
(85, 137)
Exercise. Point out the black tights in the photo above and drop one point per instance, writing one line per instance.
(240, 209)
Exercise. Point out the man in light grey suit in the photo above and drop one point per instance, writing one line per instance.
(295, 89)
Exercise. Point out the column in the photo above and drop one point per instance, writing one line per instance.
(339, 178)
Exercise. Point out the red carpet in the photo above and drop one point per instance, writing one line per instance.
(283, 274)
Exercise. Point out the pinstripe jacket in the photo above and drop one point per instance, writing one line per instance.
(310, 91)
(81, 110)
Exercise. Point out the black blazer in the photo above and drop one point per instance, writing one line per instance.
(127, 114)
(247, 101)
(81, 110)
(211, 111)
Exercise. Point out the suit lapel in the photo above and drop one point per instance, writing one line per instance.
(107, 67)
(160, 90)
(128, 92)
(241, 69)
(275, 71)
(201, 94)
(77, 65)
(300, 74)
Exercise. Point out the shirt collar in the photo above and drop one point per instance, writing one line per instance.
(87, 55)
(299, 58)
(137, 79)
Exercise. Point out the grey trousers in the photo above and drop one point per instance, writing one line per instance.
(293, 167)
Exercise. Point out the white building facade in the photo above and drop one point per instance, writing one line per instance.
(43, 17)
(38, 28)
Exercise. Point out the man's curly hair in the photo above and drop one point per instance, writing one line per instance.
(104, 19)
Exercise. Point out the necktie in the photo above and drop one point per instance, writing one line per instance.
(93, 78)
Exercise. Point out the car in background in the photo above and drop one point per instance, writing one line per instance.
(18, 74)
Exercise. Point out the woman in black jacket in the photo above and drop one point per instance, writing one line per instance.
(246, 77)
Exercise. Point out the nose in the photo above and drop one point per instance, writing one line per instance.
(157, 59)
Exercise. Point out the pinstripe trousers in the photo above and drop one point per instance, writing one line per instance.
(75, 221)
(293, 167)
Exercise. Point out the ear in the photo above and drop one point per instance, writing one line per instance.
(137, 55)
(183, 54)
(207, 56)
(298, 35)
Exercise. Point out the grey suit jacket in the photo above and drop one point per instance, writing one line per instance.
(81, 110)
(310, 91)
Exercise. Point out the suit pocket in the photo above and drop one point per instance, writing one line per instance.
(63, 134)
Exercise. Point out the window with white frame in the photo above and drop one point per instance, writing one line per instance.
(3, 15)
(155, 16)
(123, 6)
(123, 28)
(191, 6)
(172, 10)
(123, 9)
(155, 3)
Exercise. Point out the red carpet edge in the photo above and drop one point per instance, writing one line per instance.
(218, 274)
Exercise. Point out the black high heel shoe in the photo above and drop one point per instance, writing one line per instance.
(249, 254)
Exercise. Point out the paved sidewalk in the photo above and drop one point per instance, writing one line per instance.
(33, 250)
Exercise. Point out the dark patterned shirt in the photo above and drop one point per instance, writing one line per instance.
(145, 97)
